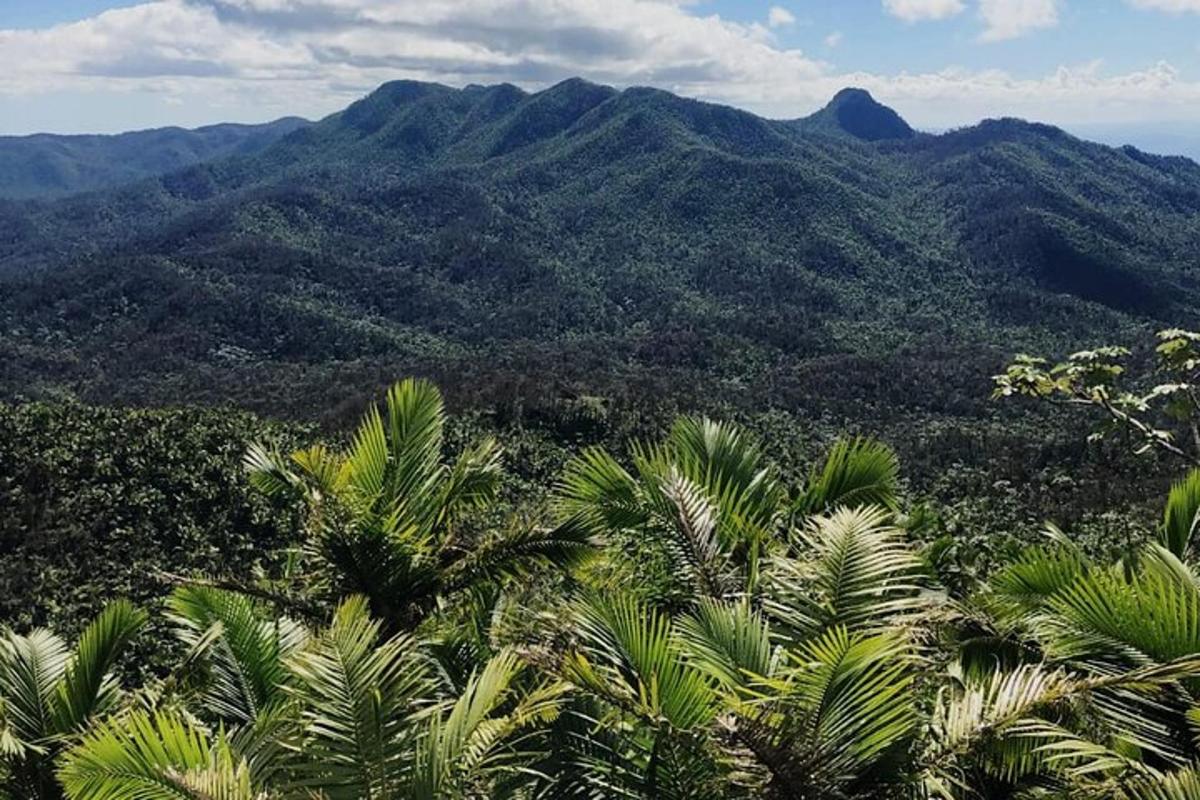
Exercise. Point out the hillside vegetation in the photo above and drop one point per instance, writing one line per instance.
(723, 509)
(682, 619)
(584, 240)
(48, 165)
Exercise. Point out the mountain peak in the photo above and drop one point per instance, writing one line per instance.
(856, 112)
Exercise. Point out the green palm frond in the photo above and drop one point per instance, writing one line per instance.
(87, 688)
(857, 472)
(320, 470)
(971, 725)
(628, 655)
(366, 463)
(841, 702)
(477, 741)
(1036, 575)
(1079, 759)
(1009, 724)
(516, 553)
(245, 651)
(693, 541)
(596, 490)
(161, 757)
(729, 466)
(269, 471)
(30, 670)
(358, 698)
(1181, 515)
(861, 574)
(1182, 784)
(474, 478)
(729, 641)
(1111, 620)
(415, 423)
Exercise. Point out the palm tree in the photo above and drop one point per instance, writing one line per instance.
(50, 693)
(727, 700)
(1078, 675)
(384, 517)
(355, 714)
(705, 506)
(779, 664)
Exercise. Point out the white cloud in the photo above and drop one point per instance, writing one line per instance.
(916, 10)
(1172, 6)
(834, 39)
(1009, 19)
(257, 58)
(778, 17)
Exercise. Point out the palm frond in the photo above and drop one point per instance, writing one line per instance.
(694, 543)
(515, 553)
(358, 698)
(415, 423)
(87, 688)
(473, 479)
(30, 670)
(840, 704)
(600, 493)
(268, 471)
(1036, 575)
(1181, 515)
(476, 742)
(245, 650)
(729, 466)
(161, 757)
(857, 472)
(1111, 620)
(729, 641)
(1182, 784)
(628, 655)
(862, 575)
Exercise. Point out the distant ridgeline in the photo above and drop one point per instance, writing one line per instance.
(44, 165)
(580, 241)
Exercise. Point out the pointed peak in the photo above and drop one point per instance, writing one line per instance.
(852, 94)
(856, 112)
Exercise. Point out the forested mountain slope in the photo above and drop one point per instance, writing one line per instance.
(588, 240)
(47, 165)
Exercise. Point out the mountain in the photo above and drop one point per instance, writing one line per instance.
(587, 241)
(856, 112)
(45, 165)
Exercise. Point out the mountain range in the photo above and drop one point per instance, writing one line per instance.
(45, 165)
(585, 240)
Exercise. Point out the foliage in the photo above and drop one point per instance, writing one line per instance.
(1092, 378)
(739, 629)
(383, 518)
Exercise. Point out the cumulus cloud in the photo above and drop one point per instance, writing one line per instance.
(834, 39)
(1008, 19)
(917, 10)
(314, 56)
(779, 16)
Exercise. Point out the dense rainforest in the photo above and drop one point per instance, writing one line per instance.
(878, 575)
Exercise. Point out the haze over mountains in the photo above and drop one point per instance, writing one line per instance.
(45, 165)
(589, 238)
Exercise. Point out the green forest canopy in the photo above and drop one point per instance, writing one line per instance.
(683, 618)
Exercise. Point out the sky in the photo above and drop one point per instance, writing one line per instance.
(1111, 67)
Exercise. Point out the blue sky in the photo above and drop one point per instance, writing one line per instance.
(68, 66)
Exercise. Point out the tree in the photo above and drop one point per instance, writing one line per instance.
(1165, 418)
(49, 692)
(358, 715)
(384, 516)
(703, 507)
